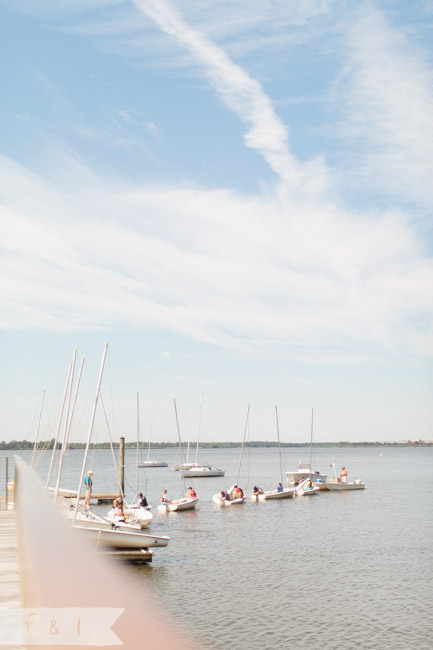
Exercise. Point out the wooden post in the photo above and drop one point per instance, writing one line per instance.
(122, 465)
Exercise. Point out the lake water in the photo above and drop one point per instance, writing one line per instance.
(337, 570)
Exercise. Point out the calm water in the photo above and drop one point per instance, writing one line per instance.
(338, 570)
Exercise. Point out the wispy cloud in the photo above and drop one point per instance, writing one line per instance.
(230, 270)
(242, 94)
(387, 98)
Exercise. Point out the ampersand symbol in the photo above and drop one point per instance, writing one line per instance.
(53, 628)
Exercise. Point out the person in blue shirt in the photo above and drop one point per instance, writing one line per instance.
(88, 488)
(280, 487)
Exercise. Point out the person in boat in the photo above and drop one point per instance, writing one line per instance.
(256, 491)
(88, 488)
(225, 495)
(142, 501)
(164, 498)
(192, 493)
(280, 487)
(343, 475)
(238, 492)
(119, 514)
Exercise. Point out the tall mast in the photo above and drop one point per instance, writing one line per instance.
(92, 421)
(59, 424)
(68, 429)
(180, 443)
(198, 428)
(279, 446)
(311, 443)
(243, 442)
(37, 430)
(138, 439)
(189, 438)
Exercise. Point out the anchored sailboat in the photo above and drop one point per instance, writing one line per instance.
(187, 502)
(280, 492)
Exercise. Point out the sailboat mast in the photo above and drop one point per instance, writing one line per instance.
(243, 442)
(68, 429)
(311, 443)
(138, 439)
(38, 427)
(89, 435)
(189, 437)
(59, 424)
(198, 428)
(180, 443)
(279, 446)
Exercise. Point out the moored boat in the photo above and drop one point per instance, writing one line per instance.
(304, 471)
(306, 488)
(177, 505)
(152, 463)
(120, 539)
(202, 471)
(285, 493)
(336, 485)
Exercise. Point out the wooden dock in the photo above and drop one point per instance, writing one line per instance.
(96, 497)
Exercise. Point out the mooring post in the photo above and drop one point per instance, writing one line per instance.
(122, 465)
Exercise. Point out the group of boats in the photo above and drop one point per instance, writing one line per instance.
(125, 525)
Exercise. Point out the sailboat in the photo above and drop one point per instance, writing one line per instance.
(148, 462)
(187, 464)
(234, 495)
(183, 503)
(196, 470)
(280, 492)
(96, 531)
(305, 469)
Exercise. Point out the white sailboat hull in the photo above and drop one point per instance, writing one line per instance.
(177, 505)
(226, 502)
(202, 472)
(185, 466)
(152, 463)
(287, 493)
(120, 539)
(138, 516)
(306, 489)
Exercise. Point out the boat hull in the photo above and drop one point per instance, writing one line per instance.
(178, 505)
(287, 493)
(203, 472)
(120, 539)
(227, 502)
(341, 487)
(293, 478)
(185, 466)
(139, 516)
(152, 463)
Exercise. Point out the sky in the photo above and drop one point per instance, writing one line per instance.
(235, 195)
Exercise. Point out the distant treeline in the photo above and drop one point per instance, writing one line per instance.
(49, 444)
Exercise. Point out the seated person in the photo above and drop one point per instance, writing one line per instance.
(192, 493)
(164, 498)
(142, 501)
(280, 487)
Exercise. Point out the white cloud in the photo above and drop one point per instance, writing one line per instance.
(243, 95)
(387, 95)
(243, 272)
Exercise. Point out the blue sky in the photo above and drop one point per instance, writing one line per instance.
(237, 196)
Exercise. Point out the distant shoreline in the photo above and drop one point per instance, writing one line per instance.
(21, 445)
